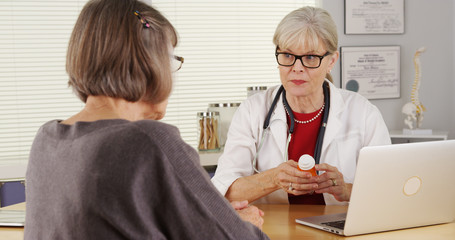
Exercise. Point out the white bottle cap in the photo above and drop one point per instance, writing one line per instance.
(306, 162)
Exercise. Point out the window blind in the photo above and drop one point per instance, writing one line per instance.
(33, 83)
(227, 47)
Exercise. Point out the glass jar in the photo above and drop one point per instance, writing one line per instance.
(208, 131)
(226, 111)
(253, 90)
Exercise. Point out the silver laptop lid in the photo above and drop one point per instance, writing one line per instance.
(401, 186)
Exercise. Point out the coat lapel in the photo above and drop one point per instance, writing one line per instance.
(333, 123)
(279, 127)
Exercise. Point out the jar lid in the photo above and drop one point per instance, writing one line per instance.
(224, 104)
(208, 114)
(255, 88)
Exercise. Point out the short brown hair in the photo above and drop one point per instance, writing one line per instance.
(111, 53)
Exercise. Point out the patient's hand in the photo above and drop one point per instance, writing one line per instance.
(249, 213)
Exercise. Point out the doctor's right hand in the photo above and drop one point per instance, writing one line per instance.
(292, 180)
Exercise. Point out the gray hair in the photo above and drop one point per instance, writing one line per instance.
(307, 26)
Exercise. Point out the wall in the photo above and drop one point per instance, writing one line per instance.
(452, 120)
(429, 24)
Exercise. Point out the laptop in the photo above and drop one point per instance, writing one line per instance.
(12, 218)
(397, 186)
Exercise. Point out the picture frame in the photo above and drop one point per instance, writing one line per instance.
(374, 16)
(372, 71)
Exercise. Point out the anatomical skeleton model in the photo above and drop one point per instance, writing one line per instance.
(414, 109)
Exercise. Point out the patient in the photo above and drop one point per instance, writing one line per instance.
(112, 171)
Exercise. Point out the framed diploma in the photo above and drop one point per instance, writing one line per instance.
(374, 72)
(374, 16)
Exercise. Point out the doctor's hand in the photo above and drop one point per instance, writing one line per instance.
(292, 180)
(332, 182)
(249, 213)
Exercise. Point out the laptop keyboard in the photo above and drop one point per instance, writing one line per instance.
(336, 224)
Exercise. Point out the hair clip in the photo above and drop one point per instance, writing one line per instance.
(143, 21)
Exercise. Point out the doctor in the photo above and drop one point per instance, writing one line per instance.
(307, 115)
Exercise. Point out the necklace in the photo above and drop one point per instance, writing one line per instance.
(308, 121)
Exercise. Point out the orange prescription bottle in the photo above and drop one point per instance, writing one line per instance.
(306, 164)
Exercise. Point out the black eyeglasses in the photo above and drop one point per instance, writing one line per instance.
(177, 63)
(308, 61)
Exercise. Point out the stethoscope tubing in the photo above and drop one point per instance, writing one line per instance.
(267, 123)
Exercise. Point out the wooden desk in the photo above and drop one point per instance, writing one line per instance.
(279, 223)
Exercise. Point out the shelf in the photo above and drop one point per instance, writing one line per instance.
(12, 173)
(397, 136)
(209, 158)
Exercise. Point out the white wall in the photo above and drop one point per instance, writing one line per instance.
(429, 24)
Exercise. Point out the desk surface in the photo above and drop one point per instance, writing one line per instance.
(280, 224)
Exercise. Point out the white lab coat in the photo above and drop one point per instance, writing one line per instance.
(353, 123)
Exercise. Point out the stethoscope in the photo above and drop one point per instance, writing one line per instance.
(266, 126)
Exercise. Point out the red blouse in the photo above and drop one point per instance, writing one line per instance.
(303, 141)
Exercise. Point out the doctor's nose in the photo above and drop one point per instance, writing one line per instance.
(298, 66)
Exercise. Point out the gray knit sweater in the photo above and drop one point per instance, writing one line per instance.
(115, 179)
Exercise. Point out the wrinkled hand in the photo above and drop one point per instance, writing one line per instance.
(292, 180)
(249, 213)
(238, 205)
(332, 182)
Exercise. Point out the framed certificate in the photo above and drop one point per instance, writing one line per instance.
(374, 72)
(374, 16)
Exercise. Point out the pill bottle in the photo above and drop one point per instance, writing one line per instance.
(250, 91)
(306, 164)
(208, 131)
(226, 111)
